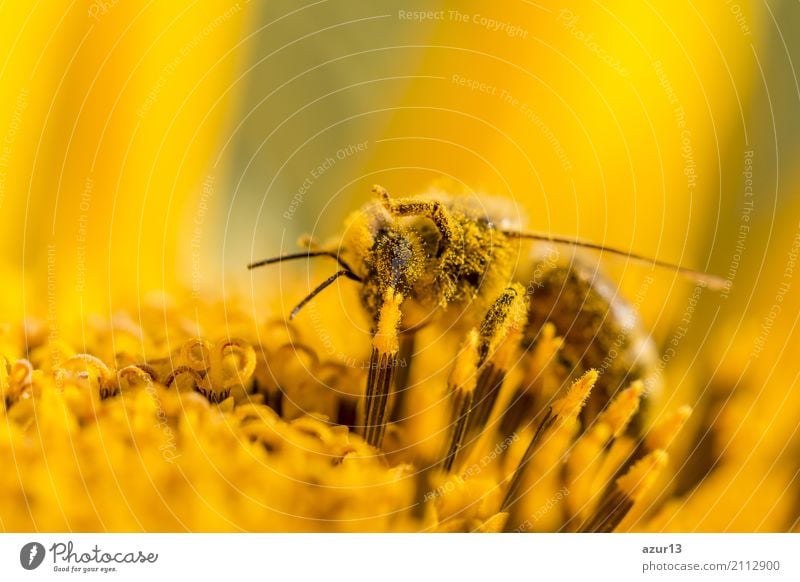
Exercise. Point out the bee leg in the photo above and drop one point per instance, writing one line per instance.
(382, 366)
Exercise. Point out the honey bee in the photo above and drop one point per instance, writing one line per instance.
(450, 260)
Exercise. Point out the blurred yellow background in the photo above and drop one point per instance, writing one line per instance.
(162, 146)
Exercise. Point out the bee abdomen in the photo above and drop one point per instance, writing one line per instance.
(599, 329)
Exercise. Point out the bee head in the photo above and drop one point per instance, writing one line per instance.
(385, 252)
(396, 259)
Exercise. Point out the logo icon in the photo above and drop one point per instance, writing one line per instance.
(31, 555)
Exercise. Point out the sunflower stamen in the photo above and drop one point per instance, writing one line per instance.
(500, 335)
(628, 489)
(382, 365)
(564, 411)
(462, 387)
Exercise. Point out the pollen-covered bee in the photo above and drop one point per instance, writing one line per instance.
(450, 260)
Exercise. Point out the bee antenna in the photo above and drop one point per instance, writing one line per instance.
(711, 281)
(304, 255)
(321, 287)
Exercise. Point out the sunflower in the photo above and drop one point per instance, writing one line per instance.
(148, 152)
(263, 432)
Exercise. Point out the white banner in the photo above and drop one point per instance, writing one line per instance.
(388, 557)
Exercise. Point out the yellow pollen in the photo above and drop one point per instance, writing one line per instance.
(385, 340)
